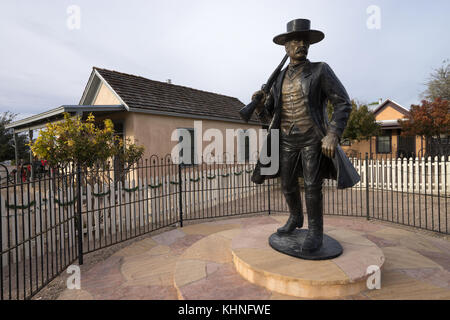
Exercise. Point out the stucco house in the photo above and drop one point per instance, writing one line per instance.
(146, 111)
(389, 142)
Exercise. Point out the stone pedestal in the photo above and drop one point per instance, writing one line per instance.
(345, 275)
(291, 244)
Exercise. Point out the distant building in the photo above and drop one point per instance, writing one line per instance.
(389, 142)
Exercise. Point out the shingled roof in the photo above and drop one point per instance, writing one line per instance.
(160, 97)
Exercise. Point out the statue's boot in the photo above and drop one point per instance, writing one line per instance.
(314, 206)
(296, 215)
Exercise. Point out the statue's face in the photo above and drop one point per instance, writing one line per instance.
(297, 49)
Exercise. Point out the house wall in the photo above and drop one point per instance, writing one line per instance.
(105, 97)
(356, 148)
(389, 113)
(155, 131)
(364, 147)
(420, 146)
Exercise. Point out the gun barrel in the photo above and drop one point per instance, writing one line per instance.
(274, 75)
(247, 111)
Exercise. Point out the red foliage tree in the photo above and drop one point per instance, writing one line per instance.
(431, 119)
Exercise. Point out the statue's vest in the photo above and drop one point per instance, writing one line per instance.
(295, 118)
(294, 105)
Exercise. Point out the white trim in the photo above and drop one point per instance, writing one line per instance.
(57, 111)
(86, 89)
(387, 121)
(36, 117)
(398, 104)
(380, 106)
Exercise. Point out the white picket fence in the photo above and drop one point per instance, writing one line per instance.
(36, 221)
(424, 175)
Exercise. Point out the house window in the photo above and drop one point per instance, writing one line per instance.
(384, 142)
(247, 148)
(438, 147)
(346, 142)
(118, 129)
(192, 147)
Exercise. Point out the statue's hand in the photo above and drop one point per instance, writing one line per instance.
(329, 144)
(261, 95)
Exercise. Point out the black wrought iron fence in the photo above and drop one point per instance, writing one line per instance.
(49, 222)
(36, 232)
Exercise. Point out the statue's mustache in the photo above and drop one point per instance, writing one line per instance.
(301, 50)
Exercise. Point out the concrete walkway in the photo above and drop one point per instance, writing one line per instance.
(417, 264)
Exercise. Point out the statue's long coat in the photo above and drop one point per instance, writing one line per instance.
(321, 85)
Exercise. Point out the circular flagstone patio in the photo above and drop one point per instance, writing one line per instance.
(196, 262)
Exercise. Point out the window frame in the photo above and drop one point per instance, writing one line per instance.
(386, 133)
(346, 142)
(247, 146)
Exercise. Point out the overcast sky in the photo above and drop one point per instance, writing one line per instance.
(220, 46)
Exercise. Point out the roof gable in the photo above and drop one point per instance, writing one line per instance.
(99, 92)
(388, 103)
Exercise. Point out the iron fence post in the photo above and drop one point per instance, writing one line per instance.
(180, 199)
(367, 187)
(268, 194)
(79, 216)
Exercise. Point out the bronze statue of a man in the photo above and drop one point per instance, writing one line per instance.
(309, 142)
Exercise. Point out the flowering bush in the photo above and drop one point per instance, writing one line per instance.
(83, 143)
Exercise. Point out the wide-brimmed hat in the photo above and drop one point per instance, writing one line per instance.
(299, 29)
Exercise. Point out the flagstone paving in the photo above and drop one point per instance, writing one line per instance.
(416, 267)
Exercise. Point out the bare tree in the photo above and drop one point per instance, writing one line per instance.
(7, 139)
(438, 85)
